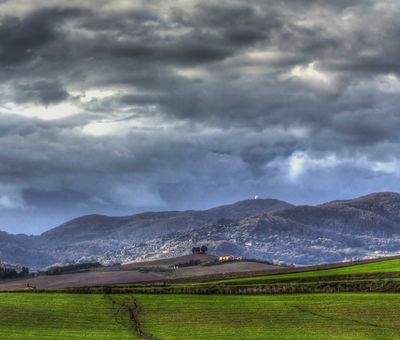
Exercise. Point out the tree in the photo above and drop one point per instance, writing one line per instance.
(203, 249)
(24, 272)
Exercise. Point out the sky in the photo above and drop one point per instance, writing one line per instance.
(117, 107)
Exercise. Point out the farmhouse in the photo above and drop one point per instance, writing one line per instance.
(223, 258)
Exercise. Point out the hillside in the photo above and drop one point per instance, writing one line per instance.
(146, 225)
(263, 228)
(330, 232)
(372, 269)
(182, 267)
(96, 235)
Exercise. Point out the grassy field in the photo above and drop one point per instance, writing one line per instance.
(62, 316)
(311, 316)
(57, 315)
(307, 316)
(366, 268)
(377, 276)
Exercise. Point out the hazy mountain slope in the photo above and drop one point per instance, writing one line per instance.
(376, 214)
(266, 229)
(302, 234)
(248, 208)
(22, 249)
(147, 225)
(98, 234)
(385, 204)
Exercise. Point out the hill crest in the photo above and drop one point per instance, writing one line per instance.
(263, 228)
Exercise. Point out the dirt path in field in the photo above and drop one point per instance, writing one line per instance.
(363, 323)
(133, 316)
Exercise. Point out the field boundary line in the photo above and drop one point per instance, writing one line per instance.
(133, 313)
(303, 310)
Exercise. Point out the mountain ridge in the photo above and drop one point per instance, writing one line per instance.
(95, 234)
(187, 219)
(330, 232)
(261, 228)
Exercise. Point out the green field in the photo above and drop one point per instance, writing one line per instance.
(62, 316)
(311, 316)
(33, 315)
(307, 316)
(365, 268)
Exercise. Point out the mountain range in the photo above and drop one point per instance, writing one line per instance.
(260, 228)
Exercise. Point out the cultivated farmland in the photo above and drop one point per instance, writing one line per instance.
(364, 304)
(63, 316)
(385, 266)
(95, 316)
(311, 316)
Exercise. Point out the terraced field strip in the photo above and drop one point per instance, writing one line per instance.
(62, 316)
(308, 316)
(308, 282)
(387, 266)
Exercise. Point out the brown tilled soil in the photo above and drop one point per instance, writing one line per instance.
(167, 263)
(149, 272)
(80, 280)
(232, 267)
(161, 271)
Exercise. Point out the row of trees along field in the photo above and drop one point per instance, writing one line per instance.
(199, 250)
(70, 268)
(12, 273)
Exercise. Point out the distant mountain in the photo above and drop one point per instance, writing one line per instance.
(23, 250)
(330, 232)
(263, 228)
(95, 235)
(141, 227)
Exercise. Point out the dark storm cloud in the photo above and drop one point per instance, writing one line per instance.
(58, 198)
(212, 33)
(42, 92)
(23, 39)
(152, 105)
(256, 156)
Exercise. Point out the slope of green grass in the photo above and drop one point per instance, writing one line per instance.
(307, 316)
(311, 316)
(392, 265)
(62, 316)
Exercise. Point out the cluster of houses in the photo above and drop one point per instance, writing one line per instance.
(224, 258)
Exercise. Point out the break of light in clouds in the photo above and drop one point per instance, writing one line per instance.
(124, 106)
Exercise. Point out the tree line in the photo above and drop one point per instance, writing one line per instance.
(12, 273)
(57, 270)
(199, 250)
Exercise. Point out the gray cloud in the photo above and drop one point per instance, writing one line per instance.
(42, 92)
(26, 39)
(169, 106)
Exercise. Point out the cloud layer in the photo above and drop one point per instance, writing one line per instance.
(123, 107)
